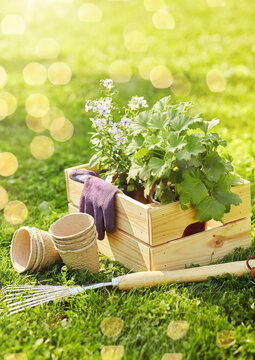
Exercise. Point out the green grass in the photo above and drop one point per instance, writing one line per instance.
(204, 38)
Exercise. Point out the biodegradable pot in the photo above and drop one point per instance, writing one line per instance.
(72, 227)
(32, 250)
(66, 245)
(85, 258)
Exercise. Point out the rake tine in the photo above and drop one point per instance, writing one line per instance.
(20, 308)
(35, 291)
(35, 298)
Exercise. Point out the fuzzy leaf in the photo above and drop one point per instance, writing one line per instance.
(157, 121)
(151, 142)
(193, 147)
(176, 141)
(135, 169)
(206, 126)
(94, 159)
(213, 166)
(222, 192)
(210, 208)
(180, 122)
(141, 153)
(140, 122)
(162, 104)
(193, 186)
(155, 165)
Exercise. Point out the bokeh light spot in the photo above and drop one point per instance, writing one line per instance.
(136, 40)
(89, 12)
(13, 25)
(172, 356)
(8, 164)
(3, 109)
(3, 197)
(120, 71)
(59, 73)
(37, 105)
(61, 129)
(216, 3)
(145, 67)
(161, 77)
(36, 124)
(10, 100)
(47, 48)
(225, 339)
(15, 212)
(3, 77)
(111, 326)
(181, 86)
(15, 356)
(162, 19)
(177, 329)
(112, 352)
(42, 147)
(34, 74)
(53, 113)
(216, 81)
(153, 5)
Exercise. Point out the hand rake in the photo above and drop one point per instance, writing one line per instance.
(18, 298)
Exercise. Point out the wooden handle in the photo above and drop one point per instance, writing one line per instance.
(196, 274)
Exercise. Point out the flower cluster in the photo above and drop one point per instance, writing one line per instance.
(137, 103)
(107, 83)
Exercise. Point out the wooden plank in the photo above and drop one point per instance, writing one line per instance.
(202, 248)
(169, 221)
(244, 209)
(131, 215)
(122, 247)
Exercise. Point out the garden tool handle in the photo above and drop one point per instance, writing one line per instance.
(195, 274)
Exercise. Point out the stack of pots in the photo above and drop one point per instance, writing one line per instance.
(75, 238)
(32, 250)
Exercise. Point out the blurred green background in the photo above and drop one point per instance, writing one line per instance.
(201, 51)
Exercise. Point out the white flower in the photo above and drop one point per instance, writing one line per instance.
(102, 107)
(137, 103)
(100, 122)
(108, 83)
(125, 121)
(88, 105)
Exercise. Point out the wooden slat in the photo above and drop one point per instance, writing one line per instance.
(202, 248)
(122, 247)
(131, 215)
(244, 209)
(169, 221)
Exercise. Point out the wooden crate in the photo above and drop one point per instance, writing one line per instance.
(149, 237)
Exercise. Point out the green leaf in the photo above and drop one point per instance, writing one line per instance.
(193, 186)
(193, 147)
(210, 208)
(148, 186)
(222, 193)
(213, 166)
(155, 165)
(179, 121)
(140, 122)
(144, 174)
(162, 104)
(141, 153)
(176, 141)
(136, 143)
(157, 121)
(206, 126)
(135, 169)
(94, 159)
(214, 139)
(152, 141)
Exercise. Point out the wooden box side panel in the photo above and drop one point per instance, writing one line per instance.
(122, 247)
(131, 215)
(202, 248)
(169, 221)
(244, 209)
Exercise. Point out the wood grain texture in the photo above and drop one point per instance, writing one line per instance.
(131, 215)
(202, 248)
(169, 221)
(195, 274)
(124, 248)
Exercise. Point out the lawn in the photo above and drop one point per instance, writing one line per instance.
(201, 38)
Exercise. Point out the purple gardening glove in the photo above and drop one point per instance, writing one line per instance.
(97, 200)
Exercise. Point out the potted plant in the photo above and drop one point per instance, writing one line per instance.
(174, 156)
